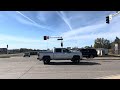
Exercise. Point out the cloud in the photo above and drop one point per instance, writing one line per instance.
(9, 38)
(6, 38)
(83, 30)
(21, 42)
(108, 35)
(91, 32)
(92, 28)
(64, 18)
(41, 15)
(32, 22)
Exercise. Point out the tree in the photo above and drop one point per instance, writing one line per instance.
(88, 47)
(117, 40)
(102, 43)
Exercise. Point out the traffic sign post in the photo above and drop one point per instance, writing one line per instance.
(7, 49)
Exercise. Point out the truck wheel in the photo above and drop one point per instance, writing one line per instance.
(87, 57)
(91, 56)
(76, 59)
(46, 60)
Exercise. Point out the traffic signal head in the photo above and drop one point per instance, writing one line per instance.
(61, 44)
(46, 37)
(108, 19)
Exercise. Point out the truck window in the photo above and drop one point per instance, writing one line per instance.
(66, 51)
(57, 50)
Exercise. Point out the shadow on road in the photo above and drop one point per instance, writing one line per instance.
(71, 63)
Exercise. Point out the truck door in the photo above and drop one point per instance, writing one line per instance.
(67, 54)
(58, 54)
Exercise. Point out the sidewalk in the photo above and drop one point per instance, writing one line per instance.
(106, 58)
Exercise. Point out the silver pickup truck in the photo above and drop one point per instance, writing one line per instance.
(60, 54)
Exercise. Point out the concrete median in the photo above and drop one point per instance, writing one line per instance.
(107, 58)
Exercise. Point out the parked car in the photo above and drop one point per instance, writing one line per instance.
(26, 54)
(33, 52)
(89, 53)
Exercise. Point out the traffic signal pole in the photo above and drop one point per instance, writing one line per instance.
(118, 12)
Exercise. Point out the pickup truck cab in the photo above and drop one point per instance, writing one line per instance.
(60, 54)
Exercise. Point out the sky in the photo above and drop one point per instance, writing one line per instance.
(25, 29)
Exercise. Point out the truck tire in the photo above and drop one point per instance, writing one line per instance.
(87, 57)
(91, 56)
(76, 59)
(46, 60)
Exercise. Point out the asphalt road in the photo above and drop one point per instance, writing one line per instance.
(31, 68)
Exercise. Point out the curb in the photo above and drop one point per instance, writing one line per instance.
(110, 77)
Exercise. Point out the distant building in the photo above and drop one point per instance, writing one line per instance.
(3, 50)
(102, 51)
(117, 48)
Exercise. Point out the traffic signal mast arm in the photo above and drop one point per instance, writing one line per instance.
(59, 38)
(47, 37)
(109, 17)
(118, 12)
(55, 37)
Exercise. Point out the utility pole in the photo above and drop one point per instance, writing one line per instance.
(7, 49)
